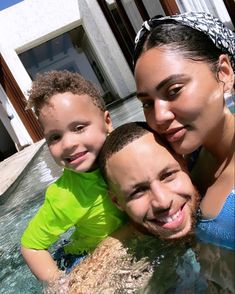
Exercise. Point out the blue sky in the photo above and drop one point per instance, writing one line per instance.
(7, 3)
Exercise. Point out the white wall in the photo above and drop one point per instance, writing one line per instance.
(32, 22)
(106, 47)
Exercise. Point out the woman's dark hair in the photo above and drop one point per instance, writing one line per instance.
(191, 43)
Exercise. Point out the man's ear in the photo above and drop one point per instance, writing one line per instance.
(114, 199)
(225, 73)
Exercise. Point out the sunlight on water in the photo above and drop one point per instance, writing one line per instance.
(19, 207)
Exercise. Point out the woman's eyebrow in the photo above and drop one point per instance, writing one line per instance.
(171, 78)
(164, 82)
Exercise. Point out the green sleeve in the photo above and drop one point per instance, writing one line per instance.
(101, 220)
(76, 199)
(49, 222)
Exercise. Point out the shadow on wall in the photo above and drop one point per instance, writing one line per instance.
(7, 146)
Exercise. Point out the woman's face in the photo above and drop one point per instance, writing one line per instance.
(182, 98)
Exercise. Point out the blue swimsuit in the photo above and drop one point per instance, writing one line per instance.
(221, 229)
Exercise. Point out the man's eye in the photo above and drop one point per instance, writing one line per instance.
(138, 193)
(168, 176)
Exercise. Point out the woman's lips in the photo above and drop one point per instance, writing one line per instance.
(175, 134)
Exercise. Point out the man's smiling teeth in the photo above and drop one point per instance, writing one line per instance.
(168, 219)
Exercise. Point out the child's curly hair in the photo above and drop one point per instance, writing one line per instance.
(53, 82)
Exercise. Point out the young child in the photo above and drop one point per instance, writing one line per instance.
(75, 124)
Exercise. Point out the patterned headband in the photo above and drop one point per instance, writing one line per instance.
(222, 37)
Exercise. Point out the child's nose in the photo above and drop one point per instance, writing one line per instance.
(69, 141)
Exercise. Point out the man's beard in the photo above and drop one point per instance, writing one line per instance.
(191, 233)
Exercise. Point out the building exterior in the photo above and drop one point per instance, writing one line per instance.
(92, 37)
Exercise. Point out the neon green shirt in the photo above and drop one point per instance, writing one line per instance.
(75, 199)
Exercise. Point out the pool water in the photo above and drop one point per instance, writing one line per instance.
(16, 211)
(206, 269)
(175, 270)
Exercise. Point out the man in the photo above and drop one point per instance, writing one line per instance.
(149, 181)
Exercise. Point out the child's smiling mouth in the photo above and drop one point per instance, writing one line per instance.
(76, 158)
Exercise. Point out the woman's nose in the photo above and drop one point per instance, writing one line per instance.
(162, 111)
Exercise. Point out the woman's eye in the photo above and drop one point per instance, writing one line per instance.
(173, 91)
(147, 105)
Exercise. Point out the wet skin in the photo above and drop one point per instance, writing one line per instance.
(75, 130)
(182, 99)
(153, 188)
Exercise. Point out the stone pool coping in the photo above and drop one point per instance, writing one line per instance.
(12, 168)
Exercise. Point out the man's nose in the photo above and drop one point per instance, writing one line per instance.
(161, 197)
(162, 111)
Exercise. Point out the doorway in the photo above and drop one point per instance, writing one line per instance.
(70, 51)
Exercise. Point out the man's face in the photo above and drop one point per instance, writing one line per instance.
(153, 188)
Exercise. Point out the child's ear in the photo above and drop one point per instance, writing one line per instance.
(114, 199)
(108, 122)
(225, 73)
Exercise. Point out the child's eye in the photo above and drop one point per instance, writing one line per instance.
(53, 138)
(79, 128)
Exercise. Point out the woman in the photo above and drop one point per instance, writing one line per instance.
(184, 67)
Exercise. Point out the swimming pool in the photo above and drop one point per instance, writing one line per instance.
(208, 269)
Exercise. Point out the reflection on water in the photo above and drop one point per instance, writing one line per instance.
(20, 205)
(133, 263)
(139, 264)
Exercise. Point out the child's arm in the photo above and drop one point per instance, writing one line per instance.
(41, 264)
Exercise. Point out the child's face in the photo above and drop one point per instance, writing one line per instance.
(153, 188)
(75, 130)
